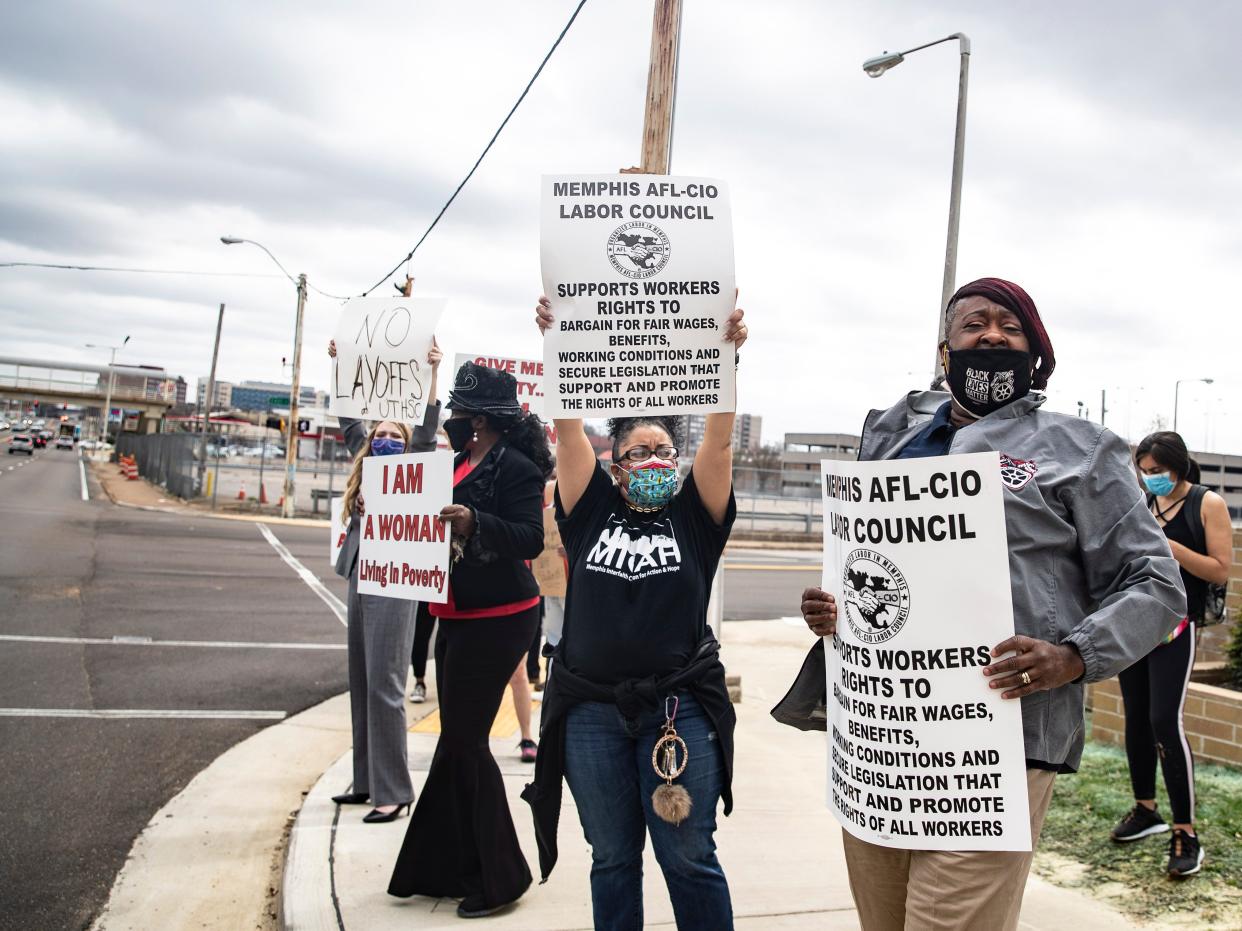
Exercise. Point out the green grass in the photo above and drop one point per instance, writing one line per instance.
(1084, 809)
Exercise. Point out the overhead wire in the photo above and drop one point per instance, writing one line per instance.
(139, 271)
(529, 84)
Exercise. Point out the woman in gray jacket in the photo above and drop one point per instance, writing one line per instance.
(380, 629)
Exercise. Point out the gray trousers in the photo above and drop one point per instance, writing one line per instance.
(380, 637)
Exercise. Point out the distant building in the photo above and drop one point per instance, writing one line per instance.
(265, 395)
(223, 400)
(800, 456)
(747, 429)
(1222, 472)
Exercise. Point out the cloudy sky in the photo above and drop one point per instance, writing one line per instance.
(1103, 171)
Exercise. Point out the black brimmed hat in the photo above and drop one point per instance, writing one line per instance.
(484, 391)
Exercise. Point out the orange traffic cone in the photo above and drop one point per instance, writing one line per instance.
(241, 492)
(262, 493)
(281, 502)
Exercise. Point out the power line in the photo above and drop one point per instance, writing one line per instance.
(166, 271)
(139, 271)
(486, 149)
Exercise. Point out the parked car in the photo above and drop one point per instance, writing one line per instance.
(21, 443)
(64, 442)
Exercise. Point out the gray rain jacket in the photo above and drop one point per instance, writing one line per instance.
(1088, 564)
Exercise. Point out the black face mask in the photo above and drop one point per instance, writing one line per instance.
(985, 380)
(460, 431)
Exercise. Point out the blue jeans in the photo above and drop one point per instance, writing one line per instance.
(610, 775)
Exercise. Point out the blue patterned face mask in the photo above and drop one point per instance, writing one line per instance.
(387, 446)
(653, 483)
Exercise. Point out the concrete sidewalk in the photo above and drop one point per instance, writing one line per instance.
(781, 849)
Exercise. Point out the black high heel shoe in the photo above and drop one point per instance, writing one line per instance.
(352, 798)
(378, 817)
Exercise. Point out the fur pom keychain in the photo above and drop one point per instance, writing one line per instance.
(670, 802)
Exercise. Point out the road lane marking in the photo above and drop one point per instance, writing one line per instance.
(127, 641)
(141, 713)
(307, 576)
(86, 495)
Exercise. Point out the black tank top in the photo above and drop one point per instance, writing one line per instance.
(1196, 589)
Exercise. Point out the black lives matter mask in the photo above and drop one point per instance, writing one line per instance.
(985, 380)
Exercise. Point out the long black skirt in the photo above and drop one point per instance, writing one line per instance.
(461, 840)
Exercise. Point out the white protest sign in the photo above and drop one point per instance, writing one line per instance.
(381, 368)
(530, 381)
(336, 522)
(403, 549)
(639, 270)
(922, 753)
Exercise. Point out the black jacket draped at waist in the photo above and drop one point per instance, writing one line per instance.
(703, 676)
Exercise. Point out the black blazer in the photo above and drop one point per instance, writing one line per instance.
(505, 492)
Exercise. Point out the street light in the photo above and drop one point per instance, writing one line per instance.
(1177, 386)
(291, 438)
(111, 377)
(874, 67)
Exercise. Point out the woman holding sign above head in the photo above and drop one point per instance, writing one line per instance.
(380, 630)
(1092, 585)
(636, 716)
(461, 842)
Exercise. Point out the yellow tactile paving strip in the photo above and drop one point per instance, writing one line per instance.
(505, 725)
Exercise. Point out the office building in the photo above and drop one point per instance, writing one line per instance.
(800, 456)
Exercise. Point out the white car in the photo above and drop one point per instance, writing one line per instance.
(64, 442)
(5, 425)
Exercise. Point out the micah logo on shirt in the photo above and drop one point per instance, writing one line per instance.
(619, 552)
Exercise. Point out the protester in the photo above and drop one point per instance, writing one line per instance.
(635, 656)
(424, 627)
(1153, 690)
(380, 629)
(461, 841)
(520, 686)
(1094, 589)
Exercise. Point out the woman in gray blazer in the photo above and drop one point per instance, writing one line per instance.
(380, 630)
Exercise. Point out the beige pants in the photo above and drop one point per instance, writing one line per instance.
(913, 890)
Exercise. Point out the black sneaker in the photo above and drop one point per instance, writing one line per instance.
(1140, 822)
(1185, 854)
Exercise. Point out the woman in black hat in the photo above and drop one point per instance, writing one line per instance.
(461, 841)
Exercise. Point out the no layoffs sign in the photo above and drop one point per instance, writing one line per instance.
(921, 753)
(381, 368)
(639, 270)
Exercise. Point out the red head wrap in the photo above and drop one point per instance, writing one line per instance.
(1013, 298)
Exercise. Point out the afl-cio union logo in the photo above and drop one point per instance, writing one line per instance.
(877, 598)
(638, 249)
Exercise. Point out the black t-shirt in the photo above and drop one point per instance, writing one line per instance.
(639, 583)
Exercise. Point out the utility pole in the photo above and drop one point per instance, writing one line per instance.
(658, 116)
(211, 393)
(291, 440)
(657, 156)
(1103, 408)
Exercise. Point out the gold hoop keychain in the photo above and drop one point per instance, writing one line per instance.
(670, 802)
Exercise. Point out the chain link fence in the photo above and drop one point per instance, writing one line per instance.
(171, 460)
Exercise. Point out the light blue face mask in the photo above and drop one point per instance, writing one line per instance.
(1159, 485)
(652, 484)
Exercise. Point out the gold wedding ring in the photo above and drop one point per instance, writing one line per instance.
(1026, 678)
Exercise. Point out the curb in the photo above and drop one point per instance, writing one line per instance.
(308, 899)
(186, 510)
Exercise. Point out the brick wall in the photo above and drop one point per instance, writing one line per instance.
(1215, 640)
(1212, 717)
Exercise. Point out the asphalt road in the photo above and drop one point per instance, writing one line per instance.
(76, 791)
(767, 584)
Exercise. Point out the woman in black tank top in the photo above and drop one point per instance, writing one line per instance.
(1153, 690)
